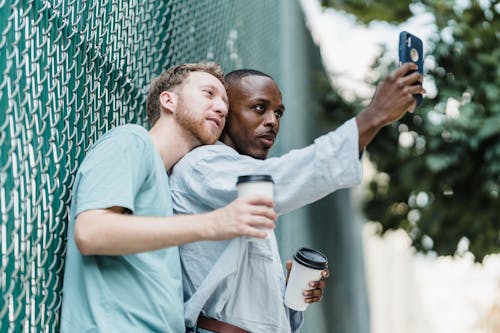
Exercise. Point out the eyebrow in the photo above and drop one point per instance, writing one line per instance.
(266, 101)
(213, 87)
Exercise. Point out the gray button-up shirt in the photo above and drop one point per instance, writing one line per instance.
(241, 281)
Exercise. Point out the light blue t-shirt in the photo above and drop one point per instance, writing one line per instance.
(132, 293)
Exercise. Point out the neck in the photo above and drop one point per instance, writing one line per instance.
(171, 141)
(224, 138)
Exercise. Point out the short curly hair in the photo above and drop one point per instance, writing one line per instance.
(175, 77)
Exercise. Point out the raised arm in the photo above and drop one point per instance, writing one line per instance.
(205, 178)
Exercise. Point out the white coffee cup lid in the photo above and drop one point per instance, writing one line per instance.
(254, 178)
(311, 258)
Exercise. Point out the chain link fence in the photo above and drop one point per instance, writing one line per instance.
(71, 70)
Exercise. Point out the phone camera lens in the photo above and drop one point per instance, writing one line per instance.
(414, 55)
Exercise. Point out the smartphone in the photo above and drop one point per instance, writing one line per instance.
(411, 50)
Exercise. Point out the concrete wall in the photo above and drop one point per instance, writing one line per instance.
(328, 225)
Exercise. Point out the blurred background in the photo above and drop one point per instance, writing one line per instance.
(431, 179)
(414, 249)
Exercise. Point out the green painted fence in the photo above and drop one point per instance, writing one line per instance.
(71, 70)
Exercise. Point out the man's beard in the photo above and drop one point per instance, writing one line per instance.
(194, 126)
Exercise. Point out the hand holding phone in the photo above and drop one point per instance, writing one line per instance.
(411, 50)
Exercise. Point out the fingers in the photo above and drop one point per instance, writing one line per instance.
(410, 92)
(412, 78)
(254, 232)
(248, 216)
(321, 284)
(264, 211)
(408, 88)
(256, 211)
(413, 106)
(261, 222)
(416, 89)
(409, 83)
(258, 200)
(261, 213)
(403, 70)
(317, 288)
(392, 99)
(313, 295)
(260, 217)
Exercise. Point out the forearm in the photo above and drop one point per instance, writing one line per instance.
(333, 164)
(104, 232)
(369, 124)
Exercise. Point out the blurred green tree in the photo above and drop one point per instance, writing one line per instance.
(369, 10)
(439, 168)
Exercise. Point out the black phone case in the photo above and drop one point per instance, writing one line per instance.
(411, 50)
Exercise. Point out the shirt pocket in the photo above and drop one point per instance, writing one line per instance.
(260, 248)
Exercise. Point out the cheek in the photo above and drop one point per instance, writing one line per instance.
(248, 141)
(246, 138)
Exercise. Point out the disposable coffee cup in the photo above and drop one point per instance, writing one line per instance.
(249, 185)
(307, 266)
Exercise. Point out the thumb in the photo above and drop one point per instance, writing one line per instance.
(288, 265)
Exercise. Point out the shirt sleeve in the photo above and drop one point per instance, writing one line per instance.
(112, 172)
(302, 176)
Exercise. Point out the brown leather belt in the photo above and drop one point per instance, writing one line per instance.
(218, 326)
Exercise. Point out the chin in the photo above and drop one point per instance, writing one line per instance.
(210, 138)
(209, 141)
(259, 155)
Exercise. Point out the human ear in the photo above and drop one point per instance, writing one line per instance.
(168, 101)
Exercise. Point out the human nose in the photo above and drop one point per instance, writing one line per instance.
(220, 106)
(271, 120)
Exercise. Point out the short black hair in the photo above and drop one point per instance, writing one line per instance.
(241, 73)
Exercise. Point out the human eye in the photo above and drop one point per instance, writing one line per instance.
(259, 108)
(278, 114)
(209, 92)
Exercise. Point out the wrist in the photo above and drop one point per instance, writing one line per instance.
(209, 225)
(369, 122)
(372, 118)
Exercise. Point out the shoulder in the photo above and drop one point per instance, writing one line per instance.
(203, 160)
(207, 153)
(218, 147)
(126, 140)
(127, 137)
(128, 132)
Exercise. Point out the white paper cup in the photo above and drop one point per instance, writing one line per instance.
(307, 266)
(249, 185)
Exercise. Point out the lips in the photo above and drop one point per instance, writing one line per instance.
(267, 139)
(217, 121)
